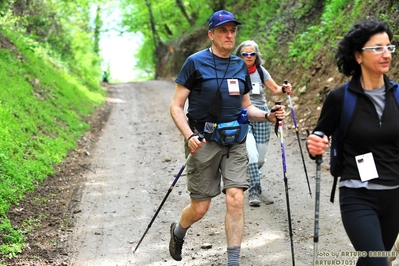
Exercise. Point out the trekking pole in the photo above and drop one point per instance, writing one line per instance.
(319, 160)
(200, 137)
(279, 133)
(298, 138)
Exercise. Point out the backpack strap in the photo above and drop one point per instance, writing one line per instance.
(396, 91)
(346, 114)
(260, 71)
(347, 108)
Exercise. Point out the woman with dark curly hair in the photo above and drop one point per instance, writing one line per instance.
(369, 173)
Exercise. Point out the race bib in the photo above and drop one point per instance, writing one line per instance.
(255, 88)
(366, 166)
(234, 89)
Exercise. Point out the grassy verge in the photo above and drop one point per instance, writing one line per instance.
(42, 109)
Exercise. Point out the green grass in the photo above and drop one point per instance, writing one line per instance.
(42, 112)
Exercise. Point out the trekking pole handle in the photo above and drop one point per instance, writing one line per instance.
(282, 88)
(321, 135)
(200, 138)
(275, 103)
(274, 110)
(278, 121)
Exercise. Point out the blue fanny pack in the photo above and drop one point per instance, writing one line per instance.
(229, 133)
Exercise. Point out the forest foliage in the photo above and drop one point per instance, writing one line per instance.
(287, 31)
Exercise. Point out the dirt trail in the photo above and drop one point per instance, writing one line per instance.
(135, 161)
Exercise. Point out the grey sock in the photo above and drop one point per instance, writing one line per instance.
(233, 256)
(180, 232)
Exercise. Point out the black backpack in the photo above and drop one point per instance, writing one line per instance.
(339, 134)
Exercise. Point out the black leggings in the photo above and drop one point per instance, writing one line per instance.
(371, 220)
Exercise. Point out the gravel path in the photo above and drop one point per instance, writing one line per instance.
(135, 161)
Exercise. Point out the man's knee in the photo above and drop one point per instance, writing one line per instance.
(200, 208)
(235, 197)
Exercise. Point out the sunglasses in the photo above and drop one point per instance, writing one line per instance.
(248, 54)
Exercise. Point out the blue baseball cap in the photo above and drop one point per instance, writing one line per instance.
(220, 17)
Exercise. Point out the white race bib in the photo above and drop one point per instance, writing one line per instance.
(234, 89)
(366, 166)
(255, 88)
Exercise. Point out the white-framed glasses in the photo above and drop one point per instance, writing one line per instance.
(380, 49)
(248, 54)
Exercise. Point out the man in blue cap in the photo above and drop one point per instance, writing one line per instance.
(216, 85)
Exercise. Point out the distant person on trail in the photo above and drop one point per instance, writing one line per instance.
(369, 176)
(105, 77)
(216, 84)
(259, 131)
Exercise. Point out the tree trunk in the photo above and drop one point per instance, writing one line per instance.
(97, 28)
(155, 36)
(184, 11)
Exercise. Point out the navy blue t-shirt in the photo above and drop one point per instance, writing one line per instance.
(198, 74)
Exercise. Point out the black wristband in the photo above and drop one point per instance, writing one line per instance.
(193, 135)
